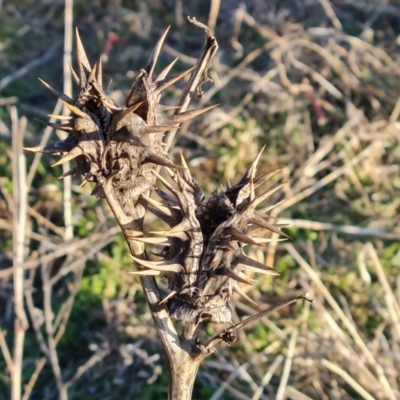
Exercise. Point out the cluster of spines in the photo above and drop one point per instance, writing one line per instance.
(202, 252)
(123, 143)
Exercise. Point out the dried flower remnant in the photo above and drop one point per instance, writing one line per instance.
(203, 258)
(124, 143)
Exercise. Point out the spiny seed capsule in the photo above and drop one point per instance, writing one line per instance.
(122, 143)
(202, 252)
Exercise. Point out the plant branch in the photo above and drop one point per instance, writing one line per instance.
(19, 223)
(182, 366)
(228, 335)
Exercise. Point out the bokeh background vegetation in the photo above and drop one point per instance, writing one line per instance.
(317, 83)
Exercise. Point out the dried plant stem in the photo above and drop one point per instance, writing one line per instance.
(181, 366)
(326, 5)
(44, 140)
(182, 372)
(67, 192)
(6, 352)
(380, 372)
(183, 358)
(198, 76)
(48, 314)
(29, 387)
(343, 374)
(214, 11)
(19, 222)
(288, 365)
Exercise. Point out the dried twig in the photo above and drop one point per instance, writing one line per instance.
(19, 222)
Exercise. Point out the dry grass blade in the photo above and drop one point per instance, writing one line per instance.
(357, 387)
(281, 394)
(317, 84)
(19, 223)
(379, 370)
(267, 377)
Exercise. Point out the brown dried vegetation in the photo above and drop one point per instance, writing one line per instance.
(318, 85)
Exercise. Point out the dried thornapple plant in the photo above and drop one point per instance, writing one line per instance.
(121, 149)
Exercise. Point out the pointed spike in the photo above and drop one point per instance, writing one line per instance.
(159, 160)
(149, 129)
(153, 240)
(149, 68)
(264, 177)
(181, 117)
(241, 293)
(238, 277)
(38, 149)
(120, 116)
(93, 74)
(75, 152)
(99, 76)
(253, 265)
(186, 171)
(171, 212)
(181, 228)
(261, 271)
(266, 225)
(61, 146)
(170, 215)
(82, 58)
(261, 241)
(182, 184)
(61, 117)
(155, 203)
(60, 95)
(83, 62)
(171, 173)
(148, 272)
(134, 234)
(74, 74)
(251, 172)
(269, 208)
(163, 181)
(162, 85)
(72, 171)
(163, 74)
(61, 127)
(84, 182)
(162, 266)
(58, 147)
(108, 90)
(267, 194)
(75, 110)
(237, 235)
(235, 189)
(166, 298)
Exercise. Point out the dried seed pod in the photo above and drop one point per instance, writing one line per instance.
(122, 143)
(206, 238)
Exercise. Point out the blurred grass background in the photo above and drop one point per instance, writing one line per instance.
(317, 83)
